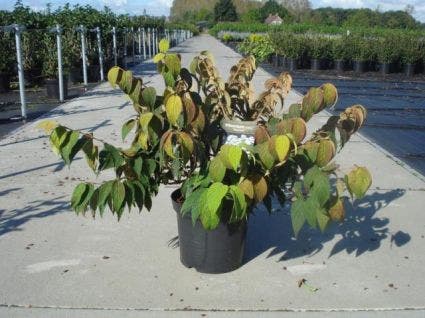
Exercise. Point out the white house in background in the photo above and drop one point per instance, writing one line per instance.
(273, 19)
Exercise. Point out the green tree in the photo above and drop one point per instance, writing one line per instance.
(225, 10)
(272, 7)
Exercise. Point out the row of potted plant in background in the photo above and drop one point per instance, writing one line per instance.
(38, 44)
(303, 28)
(394, 53)
(228, 151)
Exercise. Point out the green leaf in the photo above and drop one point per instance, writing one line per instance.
(211, 202)
(57, 138)
(78, 195)
(321, 189)
(231, 156)
(216, 169)
(139, 194)
(110, 157)
(358, 181)
(164, 45)
(265, 156)
(297, 216)
(310, 207)
(149, 97)
(239, 203)
(91, 153)
(118, 196)
(104, 191)
(85, 200)
(70, 142)
(322, 219)
(169, 79)
(127, 127)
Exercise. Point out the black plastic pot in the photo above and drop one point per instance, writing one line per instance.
(75, 75)
(52, 88)
(339, 66)
(409, 70)
(292, 64)
(359, 66)
(4, 82)
(217, 251)
(275, 60)
(316, 64)
(384, 68)
(282, 62)
(93, 73)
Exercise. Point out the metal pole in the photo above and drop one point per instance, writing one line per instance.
(58, 31)
(153, 42)
(114, 42)
(144, 43)
(139, 34)
(83, 53)
(18, 29)
(149, 42)
(99, 44)
(125, 47)
(133, 45)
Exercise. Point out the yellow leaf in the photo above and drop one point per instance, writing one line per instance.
(280, 145)
(158, 57)
(47, 125)
(173, 108)
(114, 75)
(144, 120)
(164, 45)
(143, 140)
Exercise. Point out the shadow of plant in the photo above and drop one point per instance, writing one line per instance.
(362, 231)
(12, 220)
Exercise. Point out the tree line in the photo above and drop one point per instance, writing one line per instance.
(291, 11)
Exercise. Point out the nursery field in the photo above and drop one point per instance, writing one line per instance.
(368, 266)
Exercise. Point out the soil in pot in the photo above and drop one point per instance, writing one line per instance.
(4, 82)
(52, 88)
(217, 251)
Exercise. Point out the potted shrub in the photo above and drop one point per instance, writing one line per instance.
(293, 50)
(7, 61)
(177, 139)
(319, 48)
(386, 52)
(50, 69)
(227, 38)
(71, 55)
(258, 46)
(412, 51)
(339, 53)
(361, 53)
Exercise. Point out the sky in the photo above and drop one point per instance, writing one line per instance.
(162, 7)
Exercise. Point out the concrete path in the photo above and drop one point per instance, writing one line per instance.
(55, 264)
